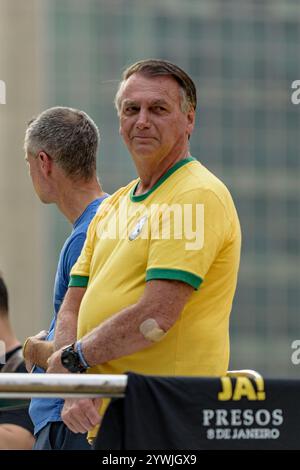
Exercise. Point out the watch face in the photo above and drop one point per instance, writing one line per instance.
(70, 360)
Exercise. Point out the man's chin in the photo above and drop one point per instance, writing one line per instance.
(144, 150)
(45, 200)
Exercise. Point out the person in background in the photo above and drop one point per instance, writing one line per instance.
(16, 428)
(61, 150)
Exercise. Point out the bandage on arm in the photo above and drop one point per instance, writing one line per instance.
(151, 330)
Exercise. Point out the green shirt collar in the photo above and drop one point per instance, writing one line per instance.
(171, 170)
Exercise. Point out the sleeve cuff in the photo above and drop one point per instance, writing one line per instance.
(174, 275)
(78, 281)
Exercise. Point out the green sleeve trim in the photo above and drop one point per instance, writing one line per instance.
(78, 281)
(174, 275)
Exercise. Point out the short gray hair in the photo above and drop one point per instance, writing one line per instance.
(67, 135)
(157, 67)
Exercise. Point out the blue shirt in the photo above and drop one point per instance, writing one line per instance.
(45, 410)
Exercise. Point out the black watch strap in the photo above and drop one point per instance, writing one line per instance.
(70, 359)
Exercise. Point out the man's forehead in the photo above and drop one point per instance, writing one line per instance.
(138, 86)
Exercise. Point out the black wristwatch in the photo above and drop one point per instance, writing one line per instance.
(70, 359)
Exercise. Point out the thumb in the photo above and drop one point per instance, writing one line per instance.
(42, 334)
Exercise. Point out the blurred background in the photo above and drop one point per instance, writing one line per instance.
(243, 57)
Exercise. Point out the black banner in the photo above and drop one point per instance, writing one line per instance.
(191, 413)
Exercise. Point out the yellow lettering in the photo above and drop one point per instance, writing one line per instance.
(226, 393)
(244, 388)
(261, 395)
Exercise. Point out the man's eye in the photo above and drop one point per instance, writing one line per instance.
(130, 109)
(159, 109)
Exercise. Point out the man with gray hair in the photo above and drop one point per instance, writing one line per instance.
(147, 302)
(61, 149)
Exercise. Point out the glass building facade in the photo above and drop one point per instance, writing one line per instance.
(243, 57)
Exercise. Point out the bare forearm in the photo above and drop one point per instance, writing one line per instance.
(66, 326)
(14, 437)
(66, 329)
(120, 335)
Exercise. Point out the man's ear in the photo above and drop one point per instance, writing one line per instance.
(191, 121)
(45, 162)
(191, 118)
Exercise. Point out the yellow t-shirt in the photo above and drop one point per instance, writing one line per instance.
(185, 228)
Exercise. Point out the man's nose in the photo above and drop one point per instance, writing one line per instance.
(143, 119)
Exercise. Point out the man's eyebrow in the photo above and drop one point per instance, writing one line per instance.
(159, 102)
(130, 103)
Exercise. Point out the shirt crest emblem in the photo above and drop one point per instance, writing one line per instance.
(138, 228)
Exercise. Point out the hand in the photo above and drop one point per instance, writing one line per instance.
(28, 346)
(29, 365)
(81, 415)
(54, 364)
(41, 335)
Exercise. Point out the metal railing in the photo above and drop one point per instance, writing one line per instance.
(75, 385)
(61, 385)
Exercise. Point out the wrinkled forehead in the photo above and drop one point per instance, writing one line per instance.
(139, 87)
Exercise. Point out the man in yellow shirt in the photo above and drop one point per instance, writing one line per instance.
(154, 284)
